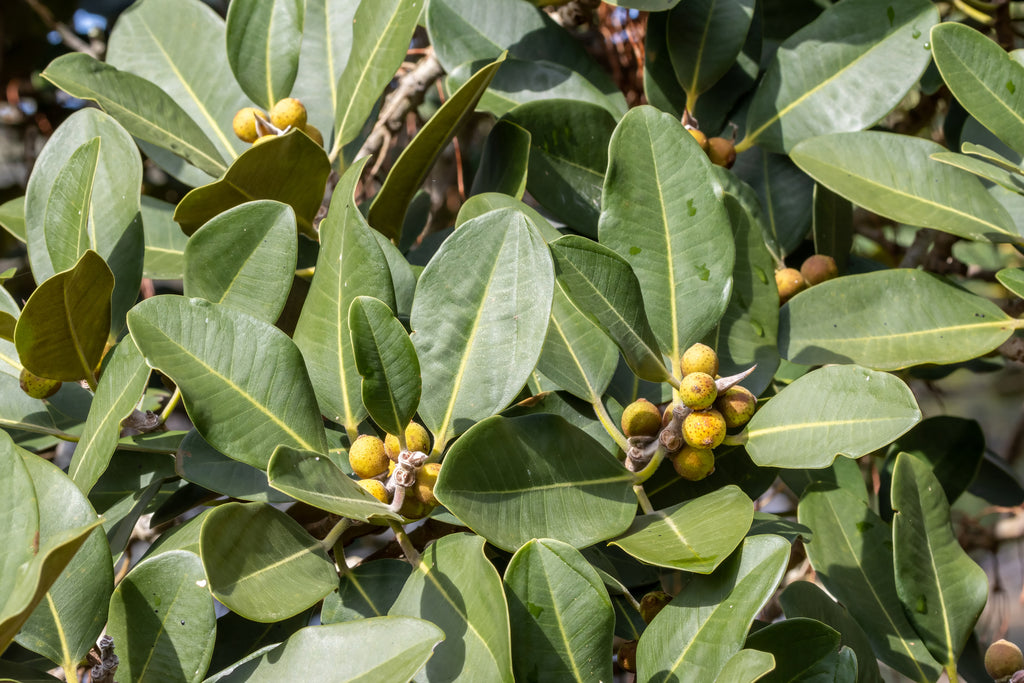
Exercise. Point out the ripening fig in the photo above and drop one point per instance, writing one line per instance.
(314, 134)
(697, 390)
(699, 358)
(790, 283)
(426, 479)
(652, 603)
(38, 387)
(641, 418)
(413, 507)
(819, 268)
(1002, 660)
(701, 139)
(737, 405)
(693, 464)
(704, 428)
(375, 488)
(288, 112)
(244, 123)
(417, 438)
(627, 656)
(367, 457)
(722, 152)
(263, 138)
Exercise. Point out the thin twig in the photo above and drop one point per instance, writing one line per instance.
(69, 37)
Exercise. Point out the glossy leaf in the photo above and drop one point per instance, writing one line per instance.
(165, 242)
(242, 409)
(63, 328)
(478, 319)
(1012, 279)
(200, 463)
(291, 169)
(706, 38)
(263, 40)
(503, 161)
(414, 163)
(116, 233)
(983, 78)
(121, 385)
(502, 469)
(350, 264)
(785, 193)
(825, 78)
(746, 666)
(894, 176)
(365, 591)
(817, 641)
(695, 536)
(940, 587)
(568, 157)
(836, 410)
(383, 648)
(852, 556)
(602, 285)
(12, 218)
(560, 614)
(380, 40)
(889, 320)
(660, 211)
(162, 620)
(244, 258)
(144, 109)
(66, 220)
(315, 480)
(695, 635)
(261, 563)
(386, 360)
(458, 589)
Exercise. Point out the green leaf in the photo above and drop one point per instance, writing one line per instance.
(200, 463)
(291, 169)
(21, 673)
(237, 637)
(263, 40)
(65, 626)
(707, 36)
(836, 410)
(519, 81)
(458, 589)
(165, 242)
(817, 641)
(827, 77)
(380, 40)
(383, 648)
(661, 212)
(983, 78)
(852, 555)
(560, 614)
(695, 635)
(63, 328)
(805, 599)
(350, 264)
(694, 536)
(66, 219)
(144, 109)
(832, 225)
(983, 169)
(503, 161)
(940, 587)
(746, 666)
(244, 409)
(478, 319)
(414, 163)
(577, 355)
(953, 447)
(785, 196)
(244, 258)
(1012, 279)
(568, 157)
(12, 218)
(315, 480)
(179, 45)
(261, 563)
(603, 286)
(121, 385)
(894, 176)
(365, 591)
(162, 620)
(386, 360)
(889, 320)
(113, 209)
(661, 87)
(524, 468)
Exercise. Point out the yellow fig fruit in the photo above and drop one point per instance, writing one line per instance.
(699, 358)
(819, 268)
(627, 656)
(417, 438)
(693, 464)
(1002, 660)
(641, 418)
(652, 603)
(413, 507)
(38, 387)
(737, 405)
(426, 478)
(314, 134)
(367, 457)
(697, 390)
(704, 429)
(701, 139)
(288, 112)
(722, 152)
(263, 138)
(244, 123)
(375, 488)
(790, 283)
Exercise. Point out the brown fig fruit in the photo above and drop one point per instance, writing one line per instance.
(1002, 660)
(722, 152)
(737, 405)
(819, 268)
(652, 603)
